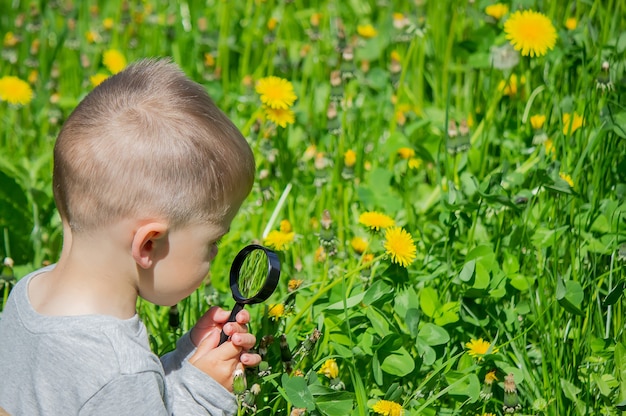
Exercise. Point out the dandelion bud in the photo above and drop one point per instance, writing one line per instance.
(255, 389)
(8, 262)
(239, 381)
(510, 402)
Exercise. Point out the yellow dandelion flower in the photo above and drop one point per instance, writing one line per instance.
(276, 93)
(10, 40)
(497, 11)
(15, 90)
(572, 122)
(567, 178)
(415, 163)
(272, 23)
(406, 152)
(113, 60)
(376, 220)
(537, 121)
(366, 31)
(367, 258)
(276, 310)
(294, 284)
(509, 87)
(209, 60)
(530, 32)
(97, 79)
(399, 246)
(395, 56)
(92, 36)
(33, 76)
(349, 158)
(107, 23)
(571, 23)
(478, 347)
(548, 145)
(279, 240)
(315, 19)
(320, 255)
(280, 116)
(359, 244)
(490, 377)
(285, 226)
(387, 408)
(329, 369)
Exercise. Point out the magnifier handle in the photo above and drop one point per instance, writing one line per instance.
(236, 309)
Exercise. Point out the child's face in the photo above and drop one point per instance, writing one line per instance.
(182, 261)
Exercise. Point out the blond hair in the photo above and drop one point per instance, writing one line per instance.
(149, 142)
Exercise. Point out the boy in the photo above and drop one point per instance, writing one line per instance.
(148, 175)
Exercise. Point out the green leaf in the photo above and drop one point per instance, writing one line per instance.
(425, 351)
(298, 392)
(481, 277)
(398, 363)
(350, 302)
(433, 334)
(463, 385)
(332, 402)
(448, 314)
(378, 320)
(468, 271)
(378, 289)
(615, 294)
(429, 302)
(570, 295)
(412, 320)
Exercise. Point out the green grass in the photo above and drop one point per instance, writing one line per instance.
(507, 251)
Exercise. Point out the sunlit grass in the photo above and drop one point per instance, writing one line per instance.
(507, 171)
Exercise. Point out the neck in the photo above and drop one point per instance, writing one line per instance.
(91, 277)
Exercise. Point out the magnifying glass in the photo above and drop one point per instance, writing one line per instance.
(253, 278)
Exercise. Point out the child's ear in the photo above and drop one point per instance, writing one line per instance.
(144, 241)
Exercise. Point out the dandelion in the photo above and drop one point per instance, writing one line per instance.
(485, 392)
(272, 23)
(366, 31)
(209, 60)
(97, 79)
(571, 23)
(400, 246)
(349, 158)
(567, 178)
(285, 226)
(320, 255)
(294, 284)
(107, 23)
(572, 122)
(509, 87)
(276, 93)
(530, 32)
(280, 116)
(503, 57)
(490, 377)
(387, 408)
(537, 121)
(276, 311)
(279, 240)
(376, 220)
(497, 11)
(406, 152)
(359, 244)
(10, 40)
(15, 91)
(367, 258)
(329, 369)
(113, 60)
(548, 145)
(92, 36)
(415, 163)
(478, 347)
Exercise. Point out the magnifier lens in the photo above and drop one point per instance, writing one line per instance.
(253, 273)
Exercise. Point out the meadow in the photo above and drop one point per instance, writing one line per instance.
(444, 182)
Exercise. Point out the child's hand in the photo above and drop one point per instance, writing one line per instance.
(220, 362)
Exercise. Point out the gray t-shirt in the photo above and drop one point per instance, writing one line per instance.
(96, 365)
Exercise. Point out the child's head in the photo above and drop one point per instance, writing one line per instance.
(149, 143)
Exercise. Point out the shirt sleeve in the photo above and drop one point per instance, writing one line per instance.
(189, 390)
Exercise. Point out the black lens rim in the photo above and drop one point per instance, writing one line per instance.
(271, 281)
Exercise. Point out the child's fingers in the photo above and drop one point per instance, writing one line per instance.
(250, 360)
